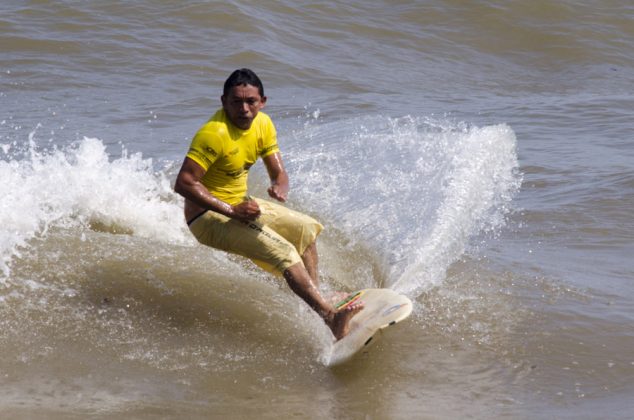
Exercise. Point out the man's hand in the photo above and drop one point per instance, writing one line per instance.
(279, 178)
(247, 211)
(279, 192)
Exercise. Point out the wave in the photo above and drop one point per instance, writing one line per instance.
(413, 192)
(79, 186)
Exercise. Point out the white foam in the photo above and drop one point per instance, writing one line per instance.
(81, 186)
(476, 189)
(415, 190)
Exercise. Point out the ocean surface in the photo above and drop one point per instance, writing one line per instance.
(477, 156)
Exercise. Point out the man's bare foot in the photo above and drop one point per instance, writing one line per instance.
(340, 322)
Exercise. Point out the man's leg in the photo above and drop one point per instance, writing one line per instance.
(310, 259)
(297, 228)
(263, 245)
(301, 283)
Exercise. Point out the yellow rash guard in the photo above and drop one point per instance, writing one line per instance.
(226, 153)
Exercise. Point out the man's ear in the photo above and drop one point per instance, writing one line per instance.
(262, 102)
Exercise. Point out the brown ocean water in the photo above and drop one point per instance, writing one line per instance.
(477, 156)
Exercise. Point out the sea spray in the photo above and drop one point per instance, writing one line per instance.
(81, 186)
(476, 189)
(414, 190)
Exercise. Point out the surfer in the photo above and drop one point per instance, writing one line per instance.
(220, 213)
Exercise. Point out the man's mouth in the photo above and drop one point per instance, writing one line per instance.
(243, 121)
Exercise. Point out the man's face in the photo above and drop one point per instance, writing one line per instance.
(242, 104)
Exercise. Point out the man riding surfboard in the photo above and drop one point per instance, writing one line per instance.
(220, 213)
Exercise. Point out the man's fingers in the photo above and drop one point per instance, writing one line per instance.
(274, 193)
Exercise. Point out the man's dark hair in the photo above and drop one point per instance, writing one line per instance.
(243, 77)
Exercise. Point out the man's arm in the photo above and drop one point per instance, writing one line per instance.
(279, 178)
(189, 186)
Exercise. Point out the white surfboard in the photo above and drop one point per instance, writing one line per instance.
(382, 308)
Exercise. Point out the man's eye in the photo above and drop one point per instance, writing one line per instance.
(248, 102)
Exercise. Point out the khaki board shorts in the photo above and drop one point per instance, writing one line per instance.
(274, 241)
